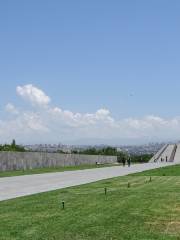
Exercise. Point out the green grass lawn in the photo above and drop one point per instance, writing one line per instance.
(145, 211)
(165, 171)
(51, 170)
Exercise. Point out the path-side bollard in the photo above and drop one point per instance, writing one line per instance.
(63, 205)
(105, 191)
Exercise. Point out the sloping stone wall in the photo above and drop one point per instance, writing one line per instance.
(30, 160)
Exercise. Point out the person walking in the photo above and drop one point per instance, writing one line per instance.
(129, 162)
(124, 161)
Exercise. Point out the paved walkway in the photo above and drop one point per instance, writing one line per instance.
(12, 187)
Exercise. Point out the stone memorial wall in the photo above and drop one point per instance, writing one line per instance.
(30, 160)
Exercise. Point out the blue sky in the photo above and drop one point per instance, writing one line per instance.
(88, 55)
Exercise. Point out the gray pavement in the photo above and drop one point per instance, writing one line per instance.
(13, 187)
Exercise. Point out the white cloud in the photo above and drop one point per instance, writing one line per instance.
(53, 124)
(11, 108)
(33, 94)
(34, 122)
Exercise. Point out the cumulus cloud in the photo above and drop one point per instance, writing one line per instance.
(53, 124)
(11, 108)
(33, 94)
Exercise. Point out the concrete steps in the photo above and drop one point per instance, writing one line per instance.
(177, 155)
(168, 153)
(158, 154)
(173, 153)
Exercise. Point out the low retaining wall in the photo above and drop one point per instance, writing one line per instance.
(30, 160)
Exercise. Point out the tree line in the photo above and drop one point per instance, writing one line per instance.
(111, 151)
(13, 147)
(108, 151)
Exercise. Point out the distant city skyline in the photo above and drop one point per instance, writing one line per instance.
(96, 72)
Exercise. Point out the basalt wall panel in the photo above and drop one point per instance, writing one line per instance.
(30, 160)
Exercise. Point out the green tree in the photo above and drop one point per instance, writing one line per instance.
(13, 144)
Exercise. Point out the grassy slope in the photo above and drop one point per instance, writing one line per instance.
(146, 210)
(165, 171)
(50, 170)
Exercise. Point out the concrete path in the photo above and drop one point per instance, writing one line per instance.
(12, 187)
